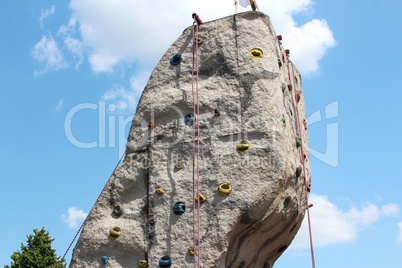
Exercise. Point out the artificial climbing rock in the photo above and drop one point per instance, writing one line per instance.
(240, 100)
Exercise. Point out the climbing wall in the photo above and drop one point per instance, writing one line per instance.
(252, 162)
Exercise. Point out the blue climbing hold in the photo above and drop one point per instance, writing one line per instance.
(165, 261)
(179, 208)
(176, 59)
(104, 259)
(189, 120)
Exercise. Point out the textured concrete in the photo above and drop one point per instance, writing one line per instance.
(241, 98)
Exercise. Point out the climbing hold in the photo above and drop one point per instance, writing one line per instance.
(297, 96)
(284, 120)
(286, 202)
(151, 125)
(242, 264)
(305, 124)
(179, 165)
(225, 189)
(165, 261)
(310, 206)
(201, 198)
(115, 233)
(160, 191)
(287, 52)
(283, 87)
(191, 251)
(296, 80)
(142, 263)
(176, 59)
(242, 146)
(198, 40)
(281, 249)
(298, 141)
(299, 171)
(279, 63)
(189, 119)
(290, 87)
(217, 113)
(283, 58)
(118, 210)
(279, 37)
(104, 259)
(309, 188)
(179, 208)
(290, 110)
(256, 53)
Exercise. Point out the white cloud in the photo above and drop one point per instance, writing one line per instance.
(116, 32)
(400, 232)
(330, 225)
(45, 13)
(75, 216)
(390, 210)
(48, 53)
(59, 105)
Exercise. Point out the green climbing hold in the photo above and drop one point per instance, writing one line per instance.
(279, 63)
(298, 141)
(299, 171)
(283, 87)
(291, 112)
(286, 202)
(284, 120)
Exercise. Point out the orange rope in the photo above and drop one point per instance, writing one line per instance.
(298, 131)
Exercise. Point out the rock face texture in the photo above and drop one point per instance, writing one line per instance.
(248, 91)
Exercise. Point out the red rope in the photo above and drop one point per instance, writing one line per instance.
(298, 131)
(196, 148)
(82, 225)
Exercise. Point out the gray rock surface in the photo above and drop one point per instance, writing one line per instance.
(241, 98)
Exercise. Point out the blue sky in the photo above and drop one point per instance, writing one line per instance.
(72, 73)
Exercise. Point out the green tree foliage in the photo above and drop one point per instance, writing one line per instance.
(37, 253)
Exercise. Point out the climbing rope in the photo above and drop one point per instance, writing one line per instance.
(83, 223)
(298, 131)
(196, 144)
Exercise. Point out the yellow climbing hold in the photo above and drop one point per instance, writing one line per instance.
(160, 191)
(142, 263)
(243, 146)
(256, 53)
(201, 197)
(225, 189)
(115, 233)
(191, 251)
(179, 165)
(198, 40)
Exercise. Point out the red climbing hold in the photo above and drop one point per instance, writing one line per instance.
(310, 206)
(279, 37)
(305, 124)
(151, 125)
(297, 97)
(287, 52)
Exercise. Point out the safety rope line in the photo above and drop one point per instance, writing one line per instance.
(196, 147)
(83, 223)
(298, 131)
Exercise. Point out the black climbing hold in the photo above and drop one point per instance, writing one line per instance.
(179, 208)
(189, 119)
(117, 210)
(242, 264)
(165, 261)
(176, 59)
